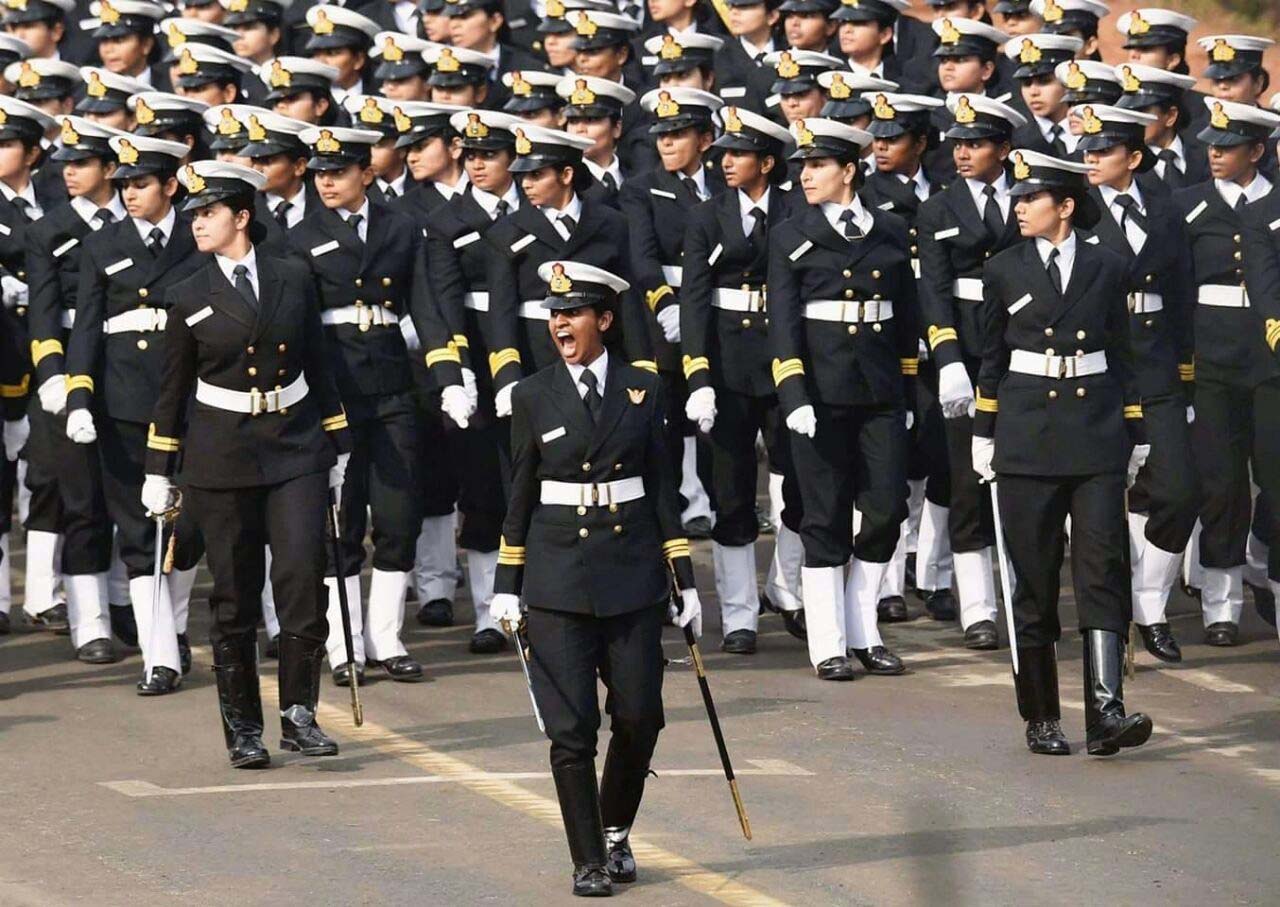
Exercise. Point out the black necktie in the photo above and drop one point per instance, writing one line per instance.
(1131, 212)
(155, 241)
(354, 222)
(242, 284)
(282, 214)
(758, 235)
(569, 223)
(24, 208)
(1055, 140)
(1055, 273)
(609, 182)
(102, 217)
(1172, 175)
(591, 398)
(992, 219)
(851, 230)
(502, 209)
(692, 186)
(1241, 201)
(390, 194)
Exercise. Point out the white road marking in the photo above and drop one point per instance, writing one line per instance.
(1207, 680)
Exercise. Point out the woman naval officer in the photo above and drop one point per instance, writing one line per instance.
(591, 540)
(257, 466)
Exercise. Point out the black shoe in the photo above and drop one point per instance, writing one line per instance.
(1158, 639)
(123, 624)
(879, 660)
(299, 733)
(342, 675)
(698, 528)
(892, 610)
(621, 862)
(301, 661)
(488, 642)
(436, 613)
(621, 788)
(1263, 602)
(1107, 728)
(837, 668)
(982, 636)
(402, 668)
(591, 882)
(54, 619)
(184, 654)
(1045, 738)
(764, 525)
(273, 647)
(1222, 633)
(4, 624)
(940, 604)
(162, 681)
(239, 703)
(795, 623)
(739, 642)
(1191, 591)
(97, 652)
(579, 796)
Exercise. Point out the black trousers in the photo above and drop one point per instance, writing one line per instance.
(383, 477)
(569, 651)
(237, 523)
(8, 484)
(1034, 510)
(1167, 489)
(479, 453)
(928, 440)
(739, 418)
(858, 456)
(65, 480)
(1266, 469)
(435, 462)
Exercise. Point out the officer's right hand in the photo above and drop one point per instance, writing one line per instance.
(701, 408)
(984, 452)
(505, 609)
(469, 385)
(80, 426)
(690, 611)
(502, 401)
(669, 321)
(14, 291)
(803, 421)
(53, 395)
(158, 495)
(338, 475)
(16, 433)
(409, 332)
(955, 391)
(456, 405)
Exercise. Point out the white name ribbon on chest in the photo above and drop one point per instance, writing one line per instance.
(522, 242)
(800, 250)
(715, 254)
(193, 320)
(1197, 211)
(324, 249)
(66, 247)
(947, 234)
(550, 436)
(1021, 304)
(117, 267)
(466, 240)
(663, 193)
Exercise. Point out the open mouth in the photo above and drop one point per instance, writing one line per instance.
(566, 342)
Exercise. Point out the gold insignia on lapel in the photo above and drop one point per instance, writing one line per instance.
(127, 153)
(1219, 119)
(523, 145)
(965, 113)
(1052, 11)
(1021, 170)
(371, 112)
(787, 67)
(1092, 125)
(227, 123)
(560, 282)
(280, 77)
(582, 95)
(327, 144)
(195, 182)
(670, 50)
(1076, 79)
(391, 51)
(1138, 25)
(28, 78)
(839, 90)
(1030, 52)
(732, 123)
(1222, 51)
(403, 123)
(143, 114)
(447, 62)
(324, 25)
(948, 33)
(69, 134)
(96, 89)
(520, 86)
(1128, 81)
(636, 395)
(187, 65)
(883, 110)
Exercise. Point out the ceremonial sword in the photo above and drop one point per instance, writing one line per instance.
(1006, 575)
(164, 563)
(516, 634)
(357, 710)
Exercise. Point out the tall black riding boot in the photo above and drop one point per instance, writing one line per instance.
(236, 669)
(580, 808)
(1107, 729)
(300, 664)
(1037, 686)
(621, 788)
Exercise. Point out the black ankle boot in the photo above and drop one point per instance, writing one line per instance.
(580, 808)
(1107, 729)
(300, 664)
(626, 767)
(1037, 686)
(236, 670)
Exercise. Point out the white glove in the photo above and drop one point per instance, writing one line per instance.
(13, 290)
(910, 420)
(502, 401)
(338, 474)
(410, 334)
(15, 437)
(457, 405)
(955, 391)
(669, 321)
(80, 426)
(984, 452)
(803, 421)
(1191, 414)
(701, 408)
(505, 608)
(158, 495)
(53, 395)
(469, 385)
(690, 611)
(1137, 459)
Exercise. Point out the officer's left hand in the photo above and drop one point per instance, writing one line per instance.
(456, 405)
(701, 408)
(338, 474)
(469, 385)
(983, 452)
(1191, 414)
(669, 321)
(14, 291)
(505, 609)
(910, 420)
(690, 611)
(15, 437)
(158, 495)
(502, 401)
(1137, 459)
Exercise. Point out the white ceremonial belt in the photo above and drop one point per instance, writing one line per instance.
(68, 318)
(1224, 296)
(1145, 303)
(137, 320)
(1025, 362)
(673, 275)
(848, 311)
(739, 300)
(535, 310)
(254, 402)
(477, 302)
(592, 494)
(363, 316)
(967, 288)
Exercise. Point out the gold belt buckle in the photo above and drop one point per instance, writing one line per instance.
(1062, 366)
(364, 318)
(595, 495)
(256, 401)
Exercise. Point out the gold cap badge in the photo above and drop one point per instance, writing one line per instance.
(585, 26)
(1030, 52)
(176, 37)
(671, 50)
(371, 113)
(143, 115)
(324, 25)
(447, 62)
(839, 90)
(1091, 124)
(476, 129)
(1052, 11)
(237, 6)
(28, 78)
(1222, 51)
(667, 106)
(107, 13)
(882, 109)
(949, 34)
(127, 153)
(555, 9)
(731, 121)
(327, 144)
(523, 145)
(227, 123)
(403, 123)
(1219, 119)
(69, 134)
(1138, 25)
(1128, 81)
(187, 64)
(560, 282)
(1076, 79)
(582, 95)
(1021, 170)
(520, 86)
(195, 182)
(256, 132)
(787, 67)
(280, 77)
(965, 114)
(391, 51)
(804, 138)
(95, 88)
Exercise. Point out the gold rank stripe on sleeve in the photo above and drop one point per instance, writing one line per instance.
(986, 404)
(938, 336)
(79, 383)
(335, 423)
(160, 442)
(1187, 370)
(674, 548)
(910, 366)
(1273, 334)
(460, 341)
(510, 555)
(692, 364)
(653, 297)
(648, 365)
(447, 353)
(1133, 411)
(786, 368)
(13, 391)
(501, 359)
(42, 348)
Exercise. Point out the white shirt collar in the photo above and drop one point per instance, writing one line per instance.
(396, 185)
(144, 228)
(862, 218)
(745, 204)
(598, 172)
(1231, 191)
(752, 51)
(87, 209)
(340, 94)
(456, 189)
(699, 178)
(406, 13)
(919, 185)
(298, 203)
(28, 194)
(599, 368)
(228, 267)
(489, 201)
(573, 209)
(1110, 194)
(977, 188)
(1176, 146)
(1066, 255)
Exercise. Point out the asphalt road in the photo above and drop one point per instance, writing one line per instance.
(902, 790)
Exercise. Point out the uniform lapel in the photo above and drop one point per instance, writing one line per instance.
(1083, 274)
(227, 299)
(729, 213)
(179, 246)
(569, 402)
(584, 232)
(375, 234)
(612, 408)
(536, 222)
(818, 229)
(1107, 230)
(960, 201)
(269, 289)
(332, 223)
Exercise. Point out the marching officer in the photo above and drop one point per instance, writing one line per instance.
(1060, 431)
(257, 468)
(113, 366)
(1181, 159)
(590, 543)
(844, 330)
(361, 255)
